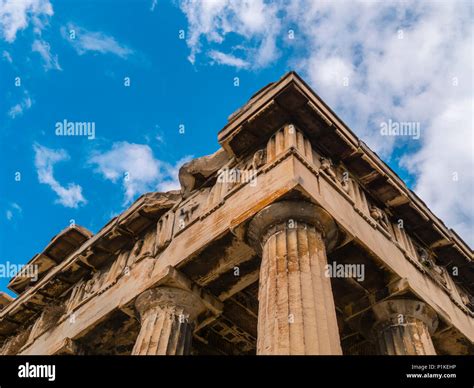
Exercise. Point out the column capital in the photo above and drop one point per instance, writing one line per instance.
(165, 297)
(281, 214)
(403, 327)
(167, 317)
(392, 311)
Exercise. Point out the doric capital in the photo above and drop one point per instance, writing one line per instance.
(288, 214)
(170, 298)
(402, 311)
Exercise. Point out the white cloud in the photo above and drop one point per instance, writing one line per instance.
(45, 159)
(135, 167)
(228, 59)
(397, 56)
(153, 5)
(445, 167)
(18, 109)
(6, 55)
(50, 61)
(15, 15)
(13, 209)
(85, 41)
(371, 62)
(212, 20)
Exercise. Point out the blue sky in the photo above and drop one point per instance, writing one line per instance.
(371, 62)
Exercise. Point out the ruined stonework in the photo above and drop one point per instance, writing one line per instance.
(238, 261)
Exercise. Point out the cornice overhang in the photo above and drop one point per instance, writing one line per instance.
(291, 100)
(60, 247)
(92, 254)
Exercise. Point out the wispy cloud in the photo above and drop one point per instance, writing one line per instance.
(18, 109)
(84, 41)
(13, 210)
(45, 160)
(15, 15)
(6, 55)
(50, 61)
(136, 168)
(228, 59)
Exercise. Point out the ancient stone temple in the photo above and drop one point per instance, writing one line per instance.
(293, 238)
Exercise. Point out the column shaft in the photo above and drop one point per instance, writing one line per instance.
(164, 332)
(296, 308)
(410, 338)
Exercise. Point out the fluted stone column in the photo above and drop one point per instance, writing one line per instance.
(167, 316)
(404, 327)
(296, 307)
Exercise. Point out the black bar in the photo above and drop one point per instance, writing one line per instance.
(322, 371)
